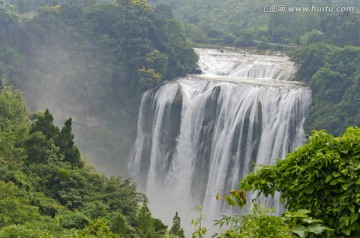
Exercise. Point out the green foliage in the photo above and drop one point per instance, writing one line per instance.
(237, 197)
(289, 27)
(47, 206)
(119, 225)
(310, 59)
(259, 223)
(12, 108)
(160, 228)
(195, 33)
(39, 149)
(312, 37)
(176, 229)
(45, 125)
(329, 84)
(302, 225)
(322, 177)
(73, 220)
(153, 70)
(46, 142)
(15, 209)
(145, 222)
(65, 141)
(27, 6)
(149, 78)
(45, 191)
(25, 232)
(240, 23)
(9, 62)
(333, 75)
(220, 21)
(164, 10)
(13, 124)
(99, 228)
(342, 29)
(200, 229)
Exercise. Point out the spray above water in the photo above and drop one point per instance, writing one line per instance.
(199, 135)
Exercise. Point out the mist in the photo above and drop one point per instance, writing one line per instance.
(59, 84)
(92, 64)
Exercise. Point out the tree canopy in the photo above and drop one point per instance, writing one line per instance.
(322, 177)
(243, 23)
(333, 73)
(48, 190)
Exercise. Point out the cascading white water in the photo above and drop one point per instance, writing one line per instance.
(244, 65)
(199, 135)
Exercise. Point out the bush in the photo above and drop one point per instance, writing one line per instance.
(323, 177)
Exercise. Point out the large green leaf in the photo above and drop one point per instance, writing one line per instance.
(353, 217)
(336, 174)
(328, 178)
(311, 220)
(299, 230)
(317, 228)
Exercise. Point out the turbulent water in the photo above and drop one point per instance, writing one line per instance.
(199, 135)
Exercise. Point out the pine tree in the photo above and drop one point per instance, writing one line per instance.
(176, 229)
(145, 222)
(40, 145)
(45, 125)
(46, 137)
(65, 142)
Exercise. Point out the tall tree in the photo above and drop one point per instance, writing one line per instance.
(65, 142)
(40, 145)
(13, 124)
(176, 229)
(45, 125)
(145, 222)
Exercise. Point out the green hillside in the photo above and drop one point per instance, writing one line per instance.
(239, 23)
(47, 190)
(92, 62)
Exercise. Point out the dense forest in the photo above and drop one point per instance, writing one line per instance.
(240, 23)
(328, 61)
(91, 62)
(47, 190)
(333, 73)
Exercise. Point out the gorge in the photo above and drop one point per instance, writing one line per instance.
(199, 135)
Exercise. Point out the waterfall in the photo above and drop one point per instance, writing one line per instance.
(199, 135)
